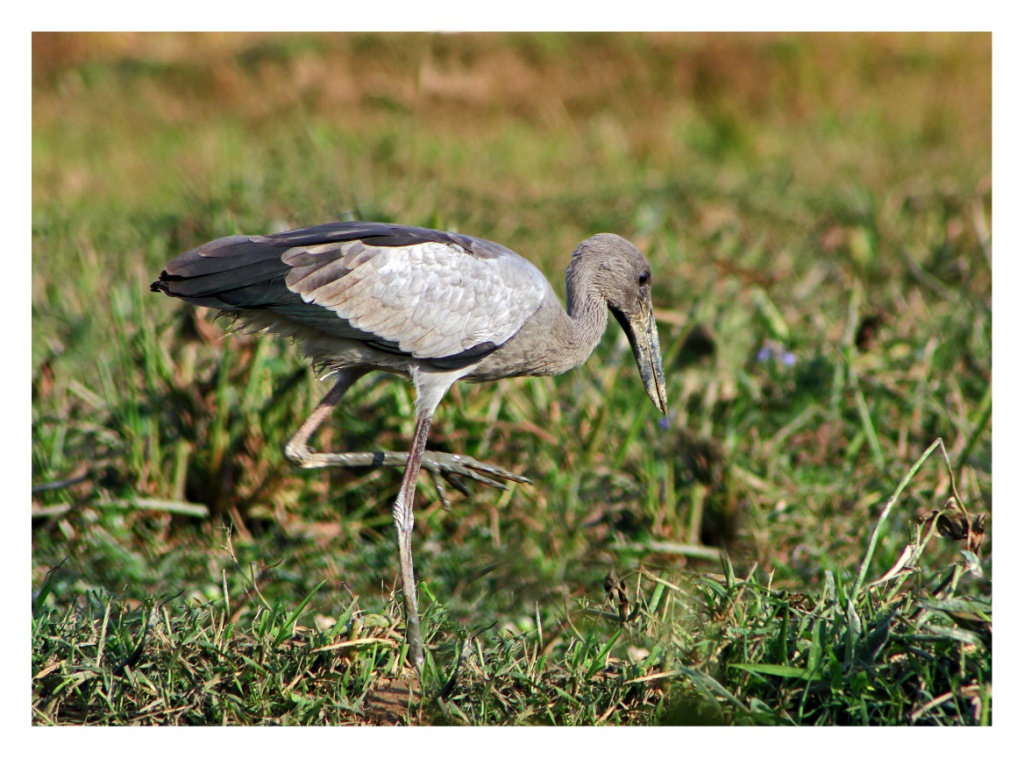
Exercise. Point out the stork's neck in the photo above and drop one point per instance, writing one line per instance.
(554, 339)
(586, 316)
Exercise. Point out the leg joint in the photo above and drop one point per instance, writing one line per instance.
(297, 452)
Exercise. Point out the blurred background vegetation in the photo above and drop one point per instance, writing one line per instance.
(816, 209)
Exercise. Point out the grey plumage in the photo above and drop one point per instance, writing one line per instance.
(436, 306)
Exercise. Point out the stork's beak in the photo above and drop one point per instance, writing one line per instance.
(642, 332)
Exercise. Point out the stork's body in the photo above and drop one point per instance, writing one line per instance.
(436, 306)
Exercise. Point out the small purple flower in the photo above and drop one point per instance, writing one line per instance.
(770, 351)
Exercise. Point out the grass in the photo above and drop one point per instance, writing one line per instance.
(816, 209)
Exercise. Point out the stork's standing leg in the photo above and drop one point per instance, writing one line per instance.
(448, 465)
(297, 450)
(402, 512)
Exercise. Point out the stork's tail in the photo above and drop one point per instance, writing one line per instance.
(230, 273)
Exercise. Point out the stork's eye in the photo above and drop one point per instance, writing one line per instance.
(644, 278)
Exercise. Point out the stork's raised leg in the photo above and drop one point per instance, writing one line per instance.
(447, 465)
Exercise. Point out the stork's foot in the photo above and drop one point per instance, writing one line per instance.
(454, 467)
